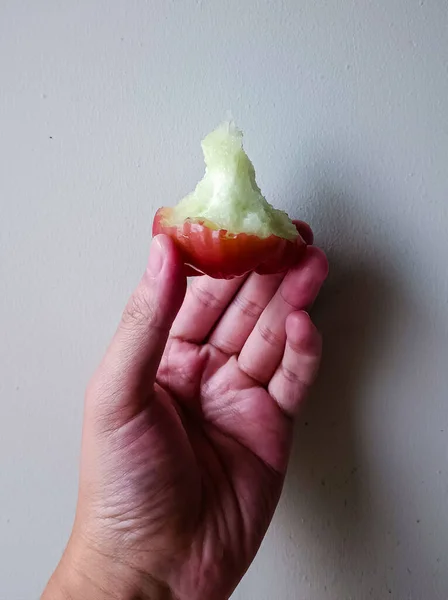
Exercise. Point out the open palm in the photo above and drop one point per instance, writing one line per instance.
(188, 425)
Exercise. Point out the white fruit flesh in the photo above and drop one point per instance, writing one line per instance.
(228, 196)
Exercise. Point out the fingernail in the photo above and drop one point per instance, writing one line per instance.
(156, 258)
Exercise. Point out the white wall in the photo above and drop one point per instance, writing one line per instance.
(344, 106)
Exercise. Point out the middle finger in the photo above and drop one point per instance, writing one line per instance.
(264, 347)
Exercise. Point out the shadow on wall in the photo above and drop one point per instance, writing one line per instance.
(328, 481)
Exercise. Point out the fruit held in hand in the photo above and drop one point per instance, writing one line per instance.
(226, 228)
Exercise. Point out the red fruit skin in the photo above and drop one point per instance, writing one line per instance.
(223, 255)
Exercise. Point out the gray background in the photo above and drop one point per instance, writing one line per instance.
(344, 106)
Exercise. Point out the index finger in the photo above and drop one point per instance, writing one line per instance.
(205, 301)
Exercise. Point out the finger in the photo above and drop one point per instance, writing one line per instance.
(249, 303)
(297, 371)
(264, 347)
(240, 318)
(133, 357)
(208, 298)
(204, 303)
(305, 232)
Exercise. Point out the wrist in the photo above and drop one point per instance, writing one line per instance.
(85, 574)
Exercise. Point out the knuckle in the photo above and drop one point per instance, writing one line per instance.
(227, 346)
(206, 298)
(247, 306)
(251, 371)
(139, 311)
(270, 337)
(143, 315)
(290, 375)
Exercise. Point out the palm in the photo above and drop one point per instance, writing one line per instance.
(202, 463)
(234, 457)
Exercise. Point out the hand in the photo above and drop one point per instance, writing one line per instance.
(187, 432)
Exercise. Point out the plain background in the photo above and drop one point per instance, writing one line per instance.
(344, 105)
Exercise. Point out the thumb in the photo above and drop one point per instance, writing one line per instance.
(121, 385)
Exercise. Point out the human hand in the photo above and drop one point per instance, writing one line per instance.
(187, 432)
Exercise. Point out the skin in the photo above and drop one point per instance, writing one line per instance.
(187, 432)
